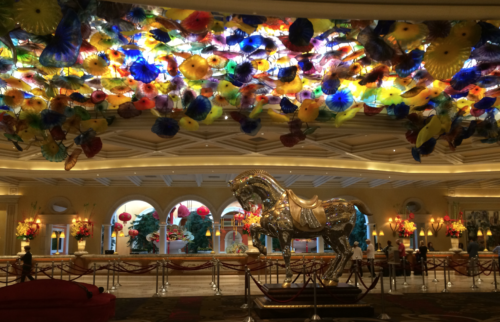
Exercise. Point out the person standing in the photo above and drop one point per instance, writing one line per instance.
(370, 256)
(472, 250)
(388, 249)
(496, 250)
(423, 255)
(357, 257)
(430, 247)
(27, 263)
(401, 248)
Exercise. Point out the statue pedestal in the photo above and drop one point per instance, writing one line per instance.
(342, 305)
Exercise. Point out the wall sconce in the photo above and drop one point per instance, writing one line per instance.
(436, 226)
(217, 232)
(121, 234)
(395, 227)
(38, 221)
(381, 233)
(208, 234)
(73, 221)
(480, 233)
(429, 233)
(113, 234)
(421, 232)
(374, 233)
(57, 235)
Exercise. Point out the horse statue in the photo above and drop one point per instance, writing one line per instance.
(286, 216)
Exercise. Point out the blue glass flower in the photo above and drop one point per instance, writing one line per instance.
(136, 15)
(464, 78)
(199, 108)
(160, 35)
(398, 111)
(250, 44)
(287, 106)
(250, 126)
(485, 103)
(165, 127)
(330, 85)
(287, 74)
(236, 38)
(300, 32)
(339, 101)
(142, 71)
(52, 118)
(410, 63)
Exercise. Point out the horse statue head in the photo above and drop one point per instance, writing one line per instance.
(256, 186)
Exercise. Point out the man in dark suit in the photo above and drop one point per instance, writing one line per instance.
(473, 248)
(27, 263)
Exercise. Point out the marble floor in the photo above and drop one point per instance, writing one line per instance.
(145, 286)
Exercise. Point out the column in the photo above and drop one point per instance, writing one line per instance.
(320, 245)
(216, 238)
(370, 228)
(107, 237)
(269, 244)
(47, 235)
(10, 237)
(163, 239)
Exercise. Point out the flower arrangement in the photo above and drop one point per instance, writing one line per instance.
(183, 235)
(250, 218)
(236, 248)
(153, 237)
(454, 227)
(28, 229)
(82, 228)
(406, 227)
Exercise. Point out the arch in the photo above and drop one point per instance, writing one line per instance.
(369, 219)
(208, 204)
(129, 198)
(224, 205)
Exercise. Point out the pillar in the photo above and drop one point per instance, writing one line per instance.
(320, 245)
(216, 238)
(269, 244)
(10, 237)
(107, 237)
(163, 239)
(47, 235)
(370, 228)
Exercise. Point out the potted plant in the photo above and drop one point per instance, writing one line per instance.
(406, 229)
(81, 229)
(28, 229)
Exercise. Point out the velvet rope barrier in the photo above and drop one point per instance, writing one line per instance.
(252, 270)
(276, 300)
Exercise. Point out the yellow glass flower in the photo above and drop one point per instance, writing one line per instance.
(430, 130)
(178, 14)
(99, 125)
(468, 32)
(214, 114)
(117, 99)
(194, 68)
(13, 98)
(100, 41)
(390, 95)
(321, 25)
(309, 110)
(278, 117)
(95, 65)
(292, 87)
(17, 83)
(260, 64)
(38, 17)
(409, 36)
(403, 83)
(27, 134)
(347, 115)
(34, 104)
(445, 57)
(188, 124)
(215, 61)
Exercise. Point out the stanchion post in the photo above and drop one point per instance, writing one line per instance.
(157, 278)
(315, 316)
(52, 274)
(218, 292)
(394, 277)
(478, 262)
(277, 272)
(424, 287)
(62, 265)
(36, 271)
(69, 270)
(445, 290)
(107, 281)
(372, 270)
(163, 287)
(259, 261)
(435, 280)
(7, 274)
(303, 269)
(389, 266)
(93, 274)
(450, 284)
(248, 318)
(493, 264)
(167, 284)
(247, 281)
(356, 268)
(383, 316)
(113, 287)
(472, 263)
(270, 263)
(212, 283)
(118, 275)
(403, 265)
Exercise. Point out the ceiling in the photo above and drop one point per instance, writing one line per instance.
(369, 152)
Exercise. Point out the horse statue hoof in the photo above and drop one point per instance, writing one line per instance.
(286, 285)
(330, 283)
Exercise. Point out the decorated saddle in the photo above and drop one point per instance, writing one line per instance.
(308, 215)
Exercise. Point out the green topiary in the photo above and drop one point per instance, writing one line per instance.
(145, 225)
(198, 227)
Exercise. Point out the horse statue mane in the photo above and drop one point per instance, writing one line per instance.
(252, 172)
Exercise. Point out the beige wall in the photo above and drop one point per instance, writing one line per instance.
(380, 201)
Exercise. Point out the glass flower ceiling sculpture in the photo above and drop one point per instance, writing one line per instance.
(67, 66)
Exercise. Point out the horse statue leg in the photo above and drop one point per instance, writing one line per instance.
(328, 277)
(343, 250)
(285, 239)
(255, 231)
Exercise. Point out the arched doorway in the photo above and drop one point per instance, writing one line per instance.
(232, 234)
(144, 219)
(190, 222)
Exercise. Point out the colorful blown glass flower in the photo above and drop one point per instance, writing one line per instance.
(445, 57)
(142, 71)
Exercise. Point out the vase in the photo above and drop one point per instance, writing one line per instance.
(24, 243)
(81, 245)
(454, 243)
(406, 242)
(251, 247)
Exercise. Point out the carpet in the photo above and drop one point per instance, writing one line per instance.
(451, 307)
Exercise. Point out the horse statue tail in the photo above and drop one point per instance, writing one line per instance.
(361, 207)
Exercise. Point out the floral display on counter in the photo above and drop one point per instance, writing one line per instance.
(81, 229)
(236, 248)
(454, 226)
(153, 237)
(67, 71)
(179, 234)
(406, 227)
(29, 228)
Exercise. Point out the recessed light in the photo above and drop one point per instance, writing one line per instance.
(98, 174)
(206, 145)
(173, 171)
(225, 117)
(262, 134)
(135, 172)
(394, 150)
(290, 171)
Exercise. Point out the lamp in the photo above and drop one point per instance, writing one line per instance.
(429, 233)
(374, 233)
(381, 233)
(38, 221)
(121, 234)
(57, 235)
(479, 233)
(62, 235)
(73, 221)
(488, 233)
(53, 235)
(208, 234)
(217, 232)
(421, 232)
(113, 235)
(436, 226)
(86, 219)
(395, 227)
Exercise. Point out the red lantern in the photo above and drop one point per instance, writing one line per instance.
(133, 233)
(203, 211)
(239, 216)
(118, 227)
(125, 216)
(183, 211)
